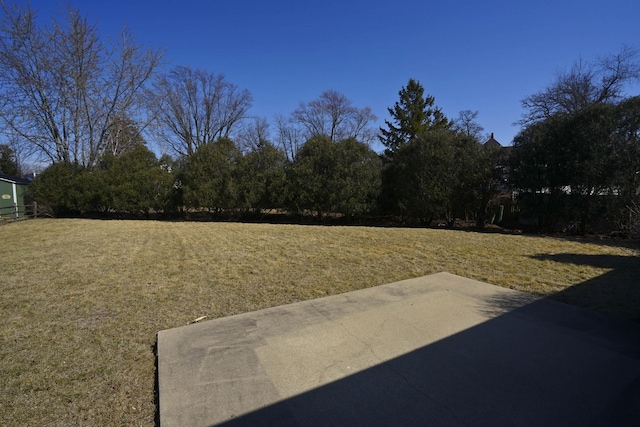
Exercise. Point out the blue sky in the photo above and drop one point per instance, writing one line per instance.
(470, 55)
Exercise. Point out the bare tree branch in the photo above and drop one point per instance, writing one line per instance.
(289, 138)
(584, 84)
(254, 134)
(194, 107)
(467, 125)
(61, 87)
(334, 115)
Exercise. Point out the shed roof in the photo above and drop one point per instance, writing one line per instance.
(14, 179)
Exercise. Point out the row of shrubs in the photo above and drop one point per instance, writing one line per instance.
(341, 178)
(344, 180)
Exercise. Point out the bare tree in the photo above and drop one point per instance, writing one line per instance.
(289, 138)
(27, 156)
(61, 87)
(585, 83)
(467, 125)
(254, 134)
(334, 115)
(123, 136)
(194, 107)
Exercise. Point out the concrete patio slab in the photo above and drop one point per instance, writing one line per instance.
(439, 350)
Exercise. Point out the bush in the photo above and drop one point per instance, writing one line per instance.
(67, 189)
(262, 178)
(210, 177)
(334, 177)
(136, 182)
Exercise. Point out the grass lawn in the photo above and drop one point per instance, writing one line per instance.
(82, 300)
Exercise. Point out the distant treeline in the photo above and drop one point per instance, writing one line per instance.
(574, 166)
(574, 172)
(344, 179)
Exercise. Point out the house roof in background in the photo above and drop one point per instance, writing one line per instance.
(492, 142)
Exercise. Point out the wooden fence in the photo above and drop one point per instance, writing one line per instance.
(18, 212)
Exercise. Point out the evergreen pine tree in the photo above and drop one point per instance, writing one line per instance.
(412, 116)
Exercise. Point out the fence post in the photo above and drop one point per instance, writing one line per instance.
(35, 209)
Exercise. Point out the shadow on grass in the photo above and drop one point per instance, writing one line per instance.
(616, 293)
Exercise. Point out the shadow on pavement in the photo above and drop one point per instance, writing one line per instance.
(537, 362)
(556, 369)
(533, 362)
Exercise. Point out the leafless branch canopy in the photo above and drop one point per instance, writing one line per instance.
(466, 124)
(334, 115)
(194, 107)
(61, 87)
(254, 134)
(289, 137)
(585, 83)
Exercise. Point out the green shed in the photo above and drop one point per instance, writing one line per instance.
(12, 196)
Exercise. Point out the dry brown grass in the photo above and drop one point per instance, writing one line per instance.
(82, 300)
